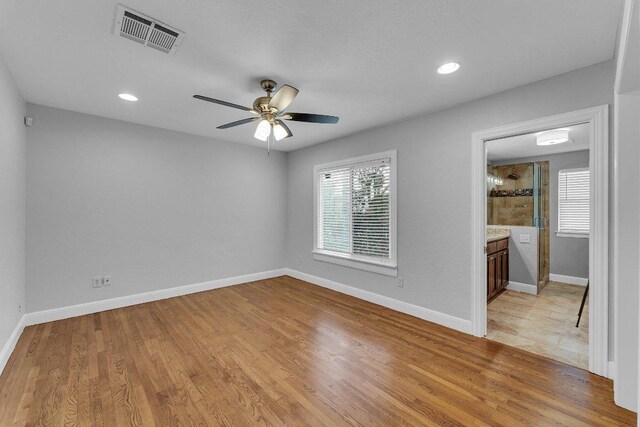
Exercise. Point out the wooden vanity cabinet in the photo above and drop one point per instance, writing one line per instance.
(497, 267)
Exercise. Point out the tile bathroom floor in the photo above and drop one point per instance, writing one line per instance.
(543, 324)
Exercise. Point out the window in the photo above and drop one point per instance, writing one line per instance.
(355, 204)
(573, 202)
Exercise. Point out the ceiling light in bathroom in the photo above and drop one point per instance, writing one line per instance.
(552, 137)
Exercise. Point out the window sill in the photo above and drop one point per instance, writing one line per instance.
(573, 235)
(373, 266)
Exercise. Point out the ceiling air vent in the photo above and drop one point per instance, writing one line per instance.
(146, 30)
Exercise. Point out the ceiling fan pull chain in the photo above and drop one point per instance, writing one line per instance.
(269, 145)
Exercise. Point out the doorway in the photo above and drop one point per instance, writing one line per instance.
(596, 121)
(538, 195)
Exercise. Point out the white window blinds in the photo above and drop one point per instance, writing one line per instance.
(354, 209)
(573, 201)
(335, 210)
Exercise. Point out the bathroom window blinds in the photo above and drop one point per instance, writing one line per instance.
(354, 209)
(573, 201)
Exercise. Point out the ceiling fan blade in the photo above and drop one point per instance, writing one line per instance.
(311, 118)
(289, 133)
(225, 103)
(238, 123)
(283, 97)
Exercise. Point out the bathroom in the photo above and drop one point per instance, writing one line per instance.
(518, 198)
(537, 202)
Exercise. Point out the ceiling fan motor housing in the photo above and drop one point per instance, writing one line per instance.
(261, 105)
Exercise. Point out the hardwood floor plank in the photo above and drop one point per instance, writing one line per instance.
(285, 352)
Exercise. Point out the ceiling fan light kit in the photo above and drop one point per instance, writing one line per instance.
(263, 130)
(270, 111)
(279, 132)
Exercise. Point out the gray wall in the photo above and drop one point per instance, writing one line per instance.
(568, 256)
(12, 204)
(434, 175)
(152, 208)
(523, 257)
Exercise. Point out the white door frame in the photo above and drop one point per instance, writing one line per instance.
(598, 120)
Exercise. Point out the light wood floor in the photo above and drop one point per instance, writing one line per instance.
(544, 324)
(284, 352)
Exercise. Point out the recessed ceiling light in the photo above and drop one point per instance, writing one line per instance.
(448, 68)
(128, 97)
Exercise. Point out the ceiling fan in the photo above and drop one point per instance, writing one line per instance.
(269, 110)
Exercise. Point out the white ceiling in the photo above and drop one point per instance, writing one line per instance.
(370, 63)
(518, 147)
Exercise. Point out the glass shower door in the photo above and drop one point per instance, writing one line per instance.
(540, 220)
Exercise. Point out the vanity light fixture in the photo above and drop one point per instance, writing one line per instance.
(448, 68)
(494, 180)
(128, 97)
(552, 137)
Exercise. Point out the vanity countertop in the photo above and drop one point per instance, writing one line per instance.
(497, 233)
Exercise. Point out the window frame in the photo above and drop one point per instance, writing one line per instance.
(386, 266)
(572, 233)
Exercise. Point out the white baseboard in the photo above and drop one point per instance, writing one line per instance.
(627, 397)
(125, 301)
(10, 345)
(611, 371)
(522, 287)
(581, 281)
(443, 319)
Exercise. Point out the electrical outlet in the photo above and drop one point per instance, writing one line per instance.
(19, 308)
(106, 281)
(525, 238)
(96, 281)
(401, 282)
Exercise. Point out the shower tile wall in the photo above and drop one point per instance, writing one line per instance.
(512, 204)
(511, 210)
